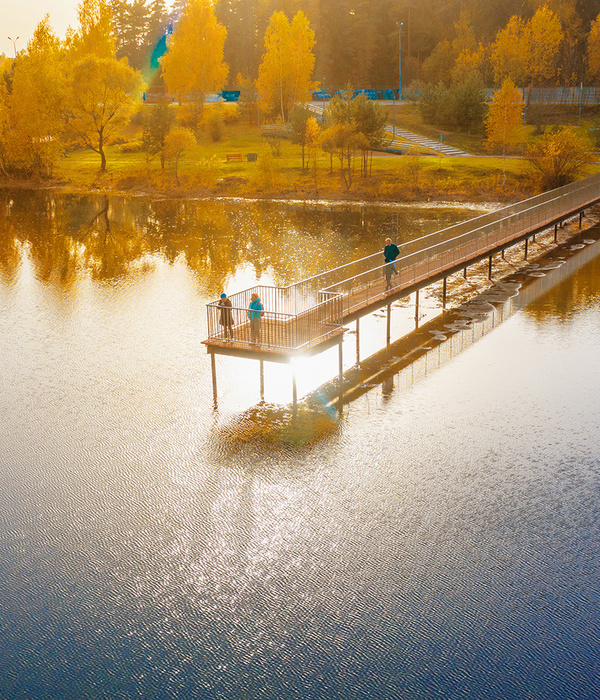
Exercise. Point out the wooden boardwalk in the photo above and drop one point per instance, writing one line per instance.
(308, 317)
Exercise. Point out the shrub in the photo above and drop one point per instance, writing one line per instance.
(207, 172)
(132, 147)
(215, 124)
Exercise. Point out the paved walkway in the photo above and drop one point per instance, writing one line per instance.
(416, 139)
(425, 142)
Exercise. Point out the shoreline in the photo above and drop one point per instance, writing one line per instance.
(332, 196)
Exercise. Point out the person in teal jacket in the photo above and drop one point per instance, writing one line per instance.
(255, 312)
(390, 252)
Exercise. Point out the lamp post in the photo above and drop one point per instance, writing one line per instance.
(14, 43)
(400, 59)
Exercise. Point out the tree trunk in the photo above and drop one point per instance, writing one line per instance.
(101, 151)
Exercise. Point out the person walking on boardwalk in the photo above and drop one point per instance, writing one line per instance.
(255, 312)
(390, 252)
(226, 319)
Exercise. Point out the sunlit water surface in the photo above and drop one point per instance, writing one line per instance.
(441, 541)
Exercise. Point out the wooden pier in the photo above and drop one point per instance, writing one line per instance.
(308, 317)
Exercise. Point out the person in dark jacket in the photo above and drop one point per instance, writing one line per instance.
(255, 312)
(226, 319)
(390, 252)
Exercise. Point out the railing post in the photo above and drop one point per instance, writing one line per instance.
(213, 367)
(262, 381)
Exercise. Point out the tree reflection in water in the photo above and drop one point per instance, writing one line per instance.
(108, 237)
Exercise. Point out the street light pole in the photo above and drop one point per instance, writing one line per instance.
(14, 43)
(400, 59)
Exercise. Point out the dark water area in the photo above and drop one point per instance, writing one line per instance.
(440, 540)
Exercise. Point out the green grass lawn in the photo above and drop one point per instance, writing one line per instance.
(278, 168)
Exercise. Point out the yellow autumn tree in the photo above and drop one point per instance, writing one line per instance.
(504, 121)
(528, 52)
(593, 50)
(104, 93)
(544, 36)
(284, 75)
(5, 127)
(37, 100)
(467, 64)
(95, 34)
(193, 65)
(177, 141)
(509, 52)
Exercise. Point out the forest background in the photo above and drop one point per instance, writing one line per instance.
(450, 52)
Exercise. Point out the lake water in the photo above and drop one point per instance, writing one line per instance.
(439, 540)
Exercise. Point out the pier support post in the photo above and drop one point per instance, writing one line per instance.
(526, 246)
(417, 308)
(213, 367)
(465, 272)
(444, 293)
(357, 342)
(262, 381)
(340, 373)
(490, 268)
(388, 329)
(580, 217)
(294, 392)
(503, 249)
(555, 232)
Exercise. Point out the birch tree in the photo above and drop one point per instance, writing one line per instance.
(37, 101)
(193, 65)
(504, 122)
(544, 37)
(284, 76)
(593, 50)
(95, 34)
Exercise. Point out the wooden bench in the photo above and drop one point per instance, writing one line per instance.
(234, 156)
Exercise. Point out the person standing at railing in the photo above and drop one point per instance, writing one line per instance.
(390, 252)
(255, 312)
(226, 319)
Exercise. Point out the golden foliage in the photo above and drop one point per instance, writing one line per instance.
(528, 52)
(284, 76)
(593, 50)
(104, 93)
(95, 34)
(193, 66)
(504, 121)
(559, 157)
